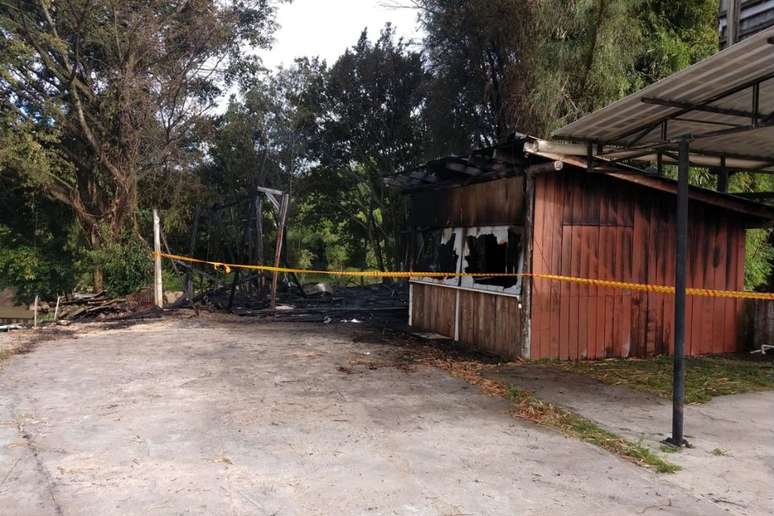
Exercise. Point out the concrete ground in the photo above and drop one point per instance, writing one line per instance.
(732, 459)
(232, 417)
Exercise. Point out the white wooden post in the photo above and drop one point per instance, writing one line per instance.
(56, 310)
(158, 290)
(35, 316)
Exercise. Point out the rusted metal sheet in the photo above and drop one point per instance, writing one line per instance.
(481, 204)
(599, 227)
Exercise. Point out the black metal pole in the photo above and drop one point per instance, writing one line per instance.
(723, 176)
(678, 389)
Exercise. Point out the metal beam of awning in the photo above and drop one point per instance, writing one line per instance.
(724, 105)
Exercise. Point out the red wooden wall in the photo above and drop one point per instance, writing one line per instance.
(487, 322)
(602, 227)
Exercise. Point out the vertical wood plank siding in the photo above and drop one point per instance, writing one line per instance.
(487, 322)
(433, 309)
(482, 204)
(491, 323)
(601, 227)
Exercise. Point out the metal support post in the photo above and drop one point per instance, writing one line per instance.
(678, 385)
(590, 157)
(723, 176)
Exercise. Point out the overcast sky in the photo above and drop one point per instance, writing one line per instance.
(326, 28)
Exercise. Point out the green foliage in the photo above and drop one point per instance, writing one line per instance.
(584, 58)
(480, 54)
(44, 269)
(125, 262)
(758, 259)
(676, 34)
(367, 125)
(102, 100)
(38, 241)
(171, 281)
(322, 246)
(500, 66)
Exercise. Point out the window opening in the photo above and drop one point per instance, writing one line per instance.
(439, 250)
(496, 250)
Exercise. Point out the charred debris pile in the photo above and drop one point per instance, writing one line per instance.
(312, 302)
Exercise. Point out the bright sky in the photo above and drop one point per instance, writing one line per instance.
(326, 28)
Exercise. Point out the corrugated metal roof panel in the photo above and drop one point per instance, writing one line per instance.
(631, 118)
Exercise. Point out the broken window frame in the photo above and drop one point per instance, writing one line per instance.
(446, 235)
(500, 232)
(461, 249)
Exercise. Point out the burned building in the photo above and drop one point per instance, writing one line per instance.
(522, 207)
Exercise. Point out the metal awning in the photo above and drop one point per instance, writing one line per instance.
(724, 105)
(720, 108)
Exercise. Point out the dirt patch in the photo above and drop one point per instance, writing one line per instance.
(19, 342)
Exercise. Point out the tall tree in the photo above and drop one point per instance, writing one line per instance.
(501, 66)
(480, 54)
(368, 125)
(584, 58)
(259, 142)
(105, 94)
(676, 33)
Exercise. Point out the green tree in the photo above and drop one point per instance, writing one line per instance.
(259, 141)
(367, 125)
(36, 236)
(584, 58)
(501, 66)
(479, 53)
(675, 34)
(106, 95)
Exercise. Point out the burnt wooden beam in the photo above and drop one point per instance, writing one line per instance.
(541, 168)
(463, 169)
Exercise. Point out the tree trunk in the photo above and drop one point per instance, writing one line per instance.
(97, 278)
(374, 237)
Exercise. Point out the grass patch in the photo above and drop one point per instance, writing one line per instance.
(705, 378)
(569, 423)
(668, 448)
(719, 452)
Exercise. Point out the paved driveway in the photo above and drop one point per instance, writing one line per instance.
(732, 459)
(206, 417)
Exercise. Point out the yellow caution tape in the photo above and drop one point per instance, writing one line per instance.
(639, 287)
